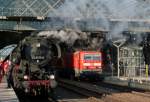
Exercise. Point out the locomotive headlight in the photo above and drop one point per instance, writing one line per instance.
(25, 77)
(38, 45)
(52, 77)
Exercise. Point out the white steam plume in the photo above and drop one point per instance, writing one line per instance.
(106, 9)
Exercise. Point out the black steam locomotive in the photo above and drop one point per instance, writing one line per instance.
(31, 70)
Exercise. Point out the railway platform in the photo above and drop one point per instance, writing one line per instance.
(142, 83)
(7, 94)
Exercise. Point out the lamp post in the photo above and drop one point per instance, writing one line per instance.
(118, 44)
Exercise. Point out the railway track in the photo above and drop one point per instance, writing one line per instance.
(104, 92)
(144, 94)
(93, 92)
(84, 89)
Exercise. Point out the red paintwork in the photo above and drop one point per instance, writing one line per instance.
(4, 65)
(76, 61)
(39, 83)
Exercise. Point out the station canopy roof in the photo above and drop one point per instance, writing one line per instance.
(4, 52)
(109, 8)
(28, 7)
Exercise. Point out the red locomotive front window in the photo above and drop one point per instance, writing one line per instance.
(87, 57)
(97, 57)
(91, 57)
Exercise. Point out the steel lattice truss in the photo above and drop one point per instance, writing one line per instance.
(29, 8)
(34, 8)
(36, 15)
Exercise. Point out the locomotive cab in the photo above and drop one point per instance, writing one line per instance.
(84, 63)
(89, 62)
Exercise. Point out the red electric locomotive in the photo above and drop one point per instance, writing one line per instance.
(82, 64)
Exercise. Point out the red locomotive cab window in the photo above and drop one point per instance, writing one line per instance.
(92, 61)
(97, 57)
(87, 57)
(92, 57)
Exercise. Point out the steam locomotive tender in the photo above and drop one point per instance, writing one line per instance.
(31, 69)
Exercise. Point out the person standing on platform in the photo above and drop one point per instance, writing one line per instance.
(1, 70)
(146, 50)
(6, 71)
(4, 68)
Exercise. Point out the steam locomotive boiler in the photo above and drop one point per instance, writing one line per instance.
(31, 69)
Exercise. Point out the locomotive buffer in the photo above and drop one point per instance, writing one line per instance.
(7, 94)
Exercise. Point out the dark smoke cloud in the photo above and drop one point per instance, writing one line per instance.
(67, 35)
